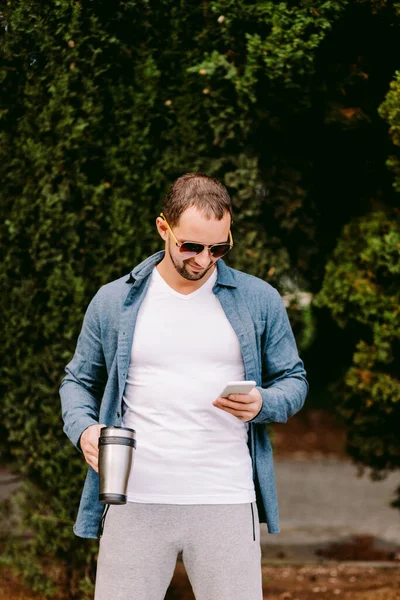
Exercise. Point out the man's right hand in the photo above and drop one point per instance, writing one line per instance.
(89, 445)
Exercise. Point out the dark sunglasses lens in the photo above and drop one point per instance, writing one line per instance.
(191, 248)
(220, 250)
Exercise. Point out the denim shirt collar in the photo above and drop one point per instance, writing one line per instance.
(225, 276)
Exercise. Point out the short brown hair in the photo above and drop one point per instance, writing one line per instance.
(207, 194)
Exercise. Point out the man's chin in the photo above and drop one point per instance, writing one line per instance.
(192, 274)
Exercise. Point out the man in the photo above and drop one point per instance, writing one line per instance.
(155, 351)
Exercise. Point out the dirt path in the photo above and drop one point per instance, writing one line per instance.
(322, 501)
(313, 582)
(325, 582)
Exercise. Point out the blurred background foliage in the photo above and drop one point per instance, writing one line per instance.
(293, 105)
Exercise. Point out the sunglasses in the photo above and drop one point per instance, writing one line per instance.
(190, 249)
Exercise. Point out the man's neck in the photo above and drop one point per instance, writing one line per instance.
(178, 283)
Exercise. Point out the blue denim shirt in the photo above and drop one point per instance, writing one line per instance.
(92, 390)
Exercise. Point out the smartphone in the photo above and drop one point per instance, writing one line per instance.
(237, 387)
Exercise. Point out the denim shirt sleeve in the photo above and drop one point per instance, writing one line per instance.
(284, 385)
(82, 388)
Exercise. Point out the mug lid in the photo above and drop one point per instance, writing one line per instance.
(116, 431)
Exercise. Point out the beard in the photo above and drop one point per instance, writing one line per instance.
(184, 269)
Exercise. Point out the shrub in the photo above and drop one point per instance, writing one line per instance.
(362, 287)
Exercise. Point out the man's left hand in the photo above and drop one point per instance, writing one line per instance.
(243, 406)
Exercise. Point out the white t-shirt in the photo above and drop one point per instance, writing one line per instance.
(184, 352)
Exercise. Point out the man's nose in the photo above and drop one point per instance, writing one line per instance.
(203, 259)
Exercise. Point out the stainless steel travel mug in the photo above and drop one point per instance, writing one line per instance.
(116, 447)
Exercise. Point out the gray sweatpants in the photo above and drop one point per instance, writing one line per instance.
(220, 545)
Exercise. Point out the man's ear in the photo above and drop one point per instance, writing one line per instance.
(162, 228)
